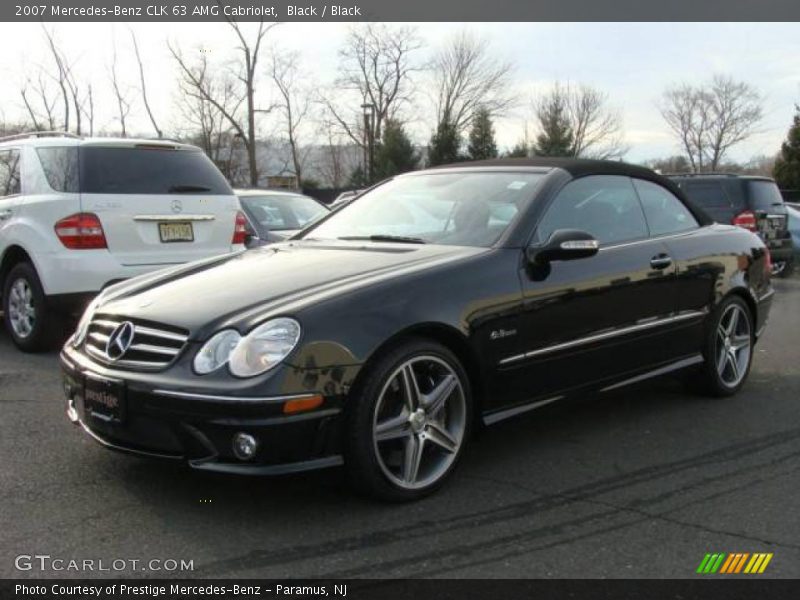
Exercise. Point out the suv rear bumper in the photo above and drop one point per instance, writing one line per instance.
(85, 272)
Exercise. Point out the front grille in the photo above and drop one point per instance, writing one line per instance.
(152, 346)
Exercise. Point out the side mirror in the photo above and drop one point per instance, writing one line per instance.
(563, 244)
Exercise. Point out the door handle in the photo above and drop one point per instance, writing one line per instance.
(661, 261)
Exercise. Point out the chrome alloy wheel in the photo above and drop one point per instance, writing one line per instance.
(419, 422)
(21, 309)
(733, 345)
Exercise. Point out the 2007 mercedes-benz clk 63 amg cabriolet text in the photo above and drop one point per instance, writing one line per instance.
(438, 301)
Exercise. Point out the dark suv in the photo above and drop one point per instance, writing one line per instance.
(754, 203)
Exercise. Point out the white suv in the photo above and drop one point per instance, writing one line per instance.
(78, 214)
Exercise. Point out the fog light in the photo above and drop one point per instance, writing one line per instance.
(244, 446)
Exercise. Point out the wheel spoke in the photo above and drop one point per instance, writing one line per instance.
(722, 358)
(734, 366)
(733, 321)
(393, 428)
(436, 398)
(441, 437)
(740, 341)
(412, 458)
(410, 388)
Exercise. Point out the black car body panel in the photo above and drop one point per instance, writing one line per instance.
(525, 336)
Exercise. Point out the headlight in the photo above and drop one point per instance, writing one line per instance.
(216, 351)
(264, 347)
(83, 325)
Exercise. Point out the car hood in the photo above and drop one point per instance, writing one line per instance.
(240, 289)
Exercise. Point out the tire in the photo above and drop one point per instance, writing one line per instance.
(33, 327)
(387, 428)
(717, 376)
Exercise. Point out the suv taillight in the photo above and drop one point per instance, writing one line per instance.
(81, 231)
(240, 229)
(746, 219)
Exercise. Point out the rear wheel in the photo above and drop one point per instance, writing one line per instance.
(32, 325)
(409, 423)
(729, 348)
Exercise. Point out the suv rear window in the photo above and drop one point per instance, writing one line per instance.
(707, 194)
(764, 195)
(108, 170)
(148, 170)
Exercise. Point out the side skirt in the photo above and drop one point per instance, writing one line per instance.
(506, 413)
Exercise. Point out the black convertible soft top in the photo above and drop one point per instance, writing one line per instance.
(582, 167)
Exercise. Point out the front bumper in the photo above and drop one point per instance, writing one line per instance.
(196, 428)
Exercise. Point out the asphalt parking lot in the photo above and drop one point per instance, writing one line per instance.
(639, 484)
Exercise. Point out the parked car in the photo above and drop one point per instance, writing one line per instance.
(524, 283)
(754, 203)
(275, 215)
(77, 214)
(794, 229)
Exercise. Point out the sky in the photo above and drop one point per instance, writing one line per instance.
(632, 62)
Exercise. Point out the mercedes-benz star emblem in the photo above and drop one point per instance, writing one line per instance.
(120, 340)
(177, 206)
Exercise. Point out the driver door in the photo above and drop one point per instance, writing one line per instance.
(598, 318)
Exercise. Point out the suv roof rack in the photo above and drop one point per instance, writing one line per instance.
(38, 134)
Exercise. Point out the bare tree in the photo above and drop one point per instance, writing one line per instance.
(196, 77)
(210, 120)
(595, 128)
(143, 86)
(465, 77)
(294, 103)
(376, 66)
(709, 119)
(62, 75)
(40, 89)
(120, 94)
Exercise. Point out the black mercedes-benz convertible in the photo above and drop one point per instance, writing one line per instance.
(435, 302)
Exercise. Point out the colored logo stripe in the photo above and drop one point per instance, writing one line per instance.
(737, 562)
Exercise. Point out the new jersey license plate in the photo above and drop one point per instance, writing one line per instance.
(176, 232)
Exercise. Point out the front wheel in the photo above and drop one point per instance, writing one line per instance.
(409, 422)
(729, 348)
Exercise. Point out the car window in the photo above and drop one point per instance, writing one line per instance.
(9, 172)
(458, 208)
(282, 211)
(663, 211)
(60, 166)
(707, 194)
(764, 195)
(148, 170)
(605, 206)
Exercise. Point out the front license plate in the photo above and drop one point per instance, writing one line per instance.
(104, 400)
(176, 232)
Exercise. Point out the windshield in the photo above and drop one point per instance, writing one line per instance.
(280, 212)
(459, 209)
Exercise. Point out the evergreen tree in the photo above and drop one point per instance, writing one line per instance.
(357, 178)
(787, 166)
(444, 145)
(395, 154)
(521, 150)
(555, 137)
(481, 136)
